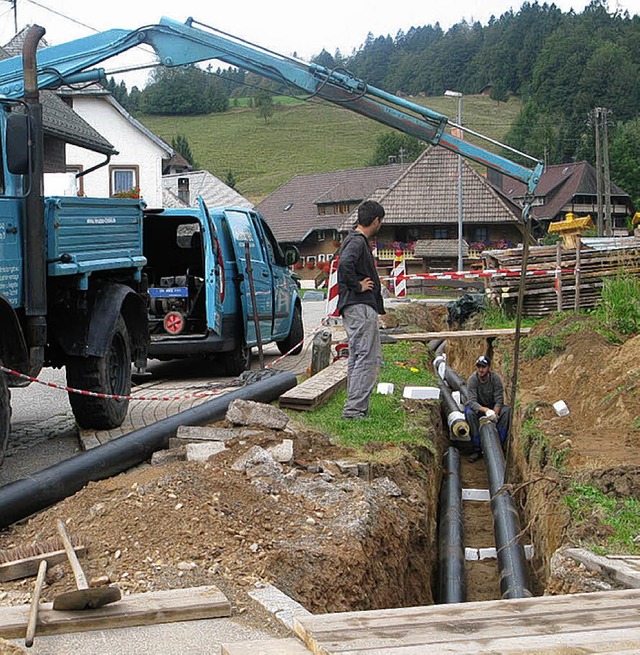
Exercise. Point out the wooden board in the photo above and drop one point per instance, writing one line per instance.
(455, 334)
(317, 389)
(270, 647)
(601, 622)
(137, 609)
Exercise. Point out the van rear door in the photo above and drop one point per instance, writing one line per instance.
(243, 231)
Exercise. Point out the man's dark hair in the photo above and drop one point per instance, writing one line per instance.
(369, 211)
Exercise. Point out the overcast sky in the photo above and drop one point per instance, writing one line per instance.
(286, 26)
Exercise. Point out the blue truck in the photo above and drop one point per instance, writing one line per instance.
(85, 283)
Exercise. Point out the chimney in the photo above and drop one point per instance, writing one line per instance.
(183, 190)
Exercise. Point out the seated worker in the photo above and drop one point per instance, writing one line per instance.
(485, 397)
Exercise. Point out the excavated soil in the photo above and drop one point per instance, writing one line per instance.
(343, 530)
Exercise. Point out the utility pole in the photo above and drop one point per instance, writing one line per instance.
(599, 221)
(604, 223)
(15, 14)
(608, 218)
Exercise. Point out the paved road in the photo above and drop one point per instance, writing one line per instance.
(43, 430)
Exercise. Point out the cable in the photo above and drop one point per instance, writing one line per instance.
(57, 13)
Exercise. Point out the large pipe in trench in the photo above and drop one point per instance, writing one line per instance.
(506, 523)
(458, 426)
(22, 498)
(451, 573)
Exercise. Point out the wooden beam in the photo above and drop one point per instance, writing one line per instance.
(137, 609)
(270, 647)
(455, 334)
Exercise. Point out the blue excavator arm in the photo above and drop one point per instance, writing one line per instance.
(178, 44)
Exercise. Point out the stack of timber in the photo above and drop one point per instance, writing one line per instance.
(570, 280)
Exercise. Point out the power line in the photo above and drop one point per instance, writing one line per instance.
(58, 13)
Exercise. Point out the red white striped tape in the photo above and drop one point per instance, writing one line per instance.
(471, 275)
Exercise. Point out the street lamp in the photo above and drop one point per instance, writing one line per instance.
(457, 94)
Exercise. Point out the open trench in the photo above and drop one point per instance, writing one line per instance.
(416, 577)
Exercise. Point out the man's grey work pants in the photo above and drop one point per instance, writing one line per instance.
(363, 367)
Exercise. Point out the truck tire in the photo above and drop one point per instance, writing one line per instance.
(237, 360)
(295, 336)
(110, 374)
(5, 415)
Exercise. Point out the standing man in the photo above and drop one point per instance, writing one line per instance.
(359, 303)
(485, 397)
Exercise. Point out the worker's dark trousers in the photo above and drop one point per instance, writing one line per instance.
(473, 419)
(365, 355)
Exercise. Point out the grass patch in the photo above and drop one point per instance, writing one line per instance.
(537, 347)
(619, 306)
(496, 317)
(387, 420)
(535, 442)
(613, 522)
(302, 138)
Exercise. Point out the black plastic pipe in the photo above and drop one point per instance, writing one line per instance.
(458, 426)
(22, 498)
(451, 574)
(506, 523)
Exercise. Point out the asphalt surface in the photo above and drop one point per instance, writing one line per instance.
(44, 431)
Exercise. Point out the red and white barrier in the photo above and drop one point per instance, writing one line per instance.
(399, 275)
(332, 292)
(474, 275)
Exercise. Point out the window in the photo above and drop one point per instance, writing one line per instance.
(320, 234)
(482, 234)
(441, 233)
(76, 170)
(123, 179)
(321, 257)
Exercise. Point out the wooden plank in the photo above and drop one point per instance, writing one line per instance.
(137, 609)
(582, 618)
(270, 647)
(317, 389)
(456, 334)
(28, 567)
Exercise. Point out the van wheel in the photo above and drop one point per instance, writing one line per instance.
(5, 415)
(110, 374)
(237, 360)
(295, 336)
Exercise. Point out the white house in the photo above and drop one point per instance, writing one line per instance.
(138, 163)
(186, 187)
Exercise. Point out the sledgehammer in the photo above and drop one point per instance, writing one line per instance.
(84, 597)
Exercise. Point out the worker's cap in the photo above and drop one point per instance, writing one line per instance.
(483, 361)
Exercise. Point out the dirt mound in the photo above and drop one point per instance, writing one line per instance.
(600, 383)
(313, 527)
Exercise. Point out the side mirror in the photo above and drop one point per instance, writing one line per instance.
(291, 255)
(17, 139)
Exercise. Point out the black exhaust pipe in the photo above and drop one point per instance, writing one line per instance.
(35, 273)
(451, 573)
(24, 497)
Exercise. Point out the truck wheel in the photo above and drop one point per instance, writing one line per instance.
(5, 415)
(237, 360)
(295, 336)
(110, 374)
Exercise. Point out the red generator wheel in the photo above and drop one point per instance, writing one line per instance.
(174, 322)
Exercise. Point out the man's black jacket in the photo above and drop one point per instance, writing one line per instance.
(357, 263)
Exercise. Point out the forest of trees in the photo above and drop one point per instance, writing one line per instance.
(561, 65)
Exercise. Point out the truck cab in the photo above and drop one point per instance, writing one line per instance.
(219, 284)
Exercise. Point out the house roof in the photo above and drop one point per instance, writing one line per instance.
(439, 248)
(58, 119)
(558, 185)
(213, 190)
(427, 193)
(292, 210)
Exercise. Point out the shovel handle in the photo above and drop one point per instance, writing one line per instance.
(81, 580)
(35, 600)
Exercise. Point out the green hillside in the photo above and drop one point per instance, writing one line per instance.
(303, 138)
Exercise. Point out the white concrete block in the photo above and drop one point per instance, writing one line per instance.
(421, 393)
(386, 388)
(200, 452)
(561, 408)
